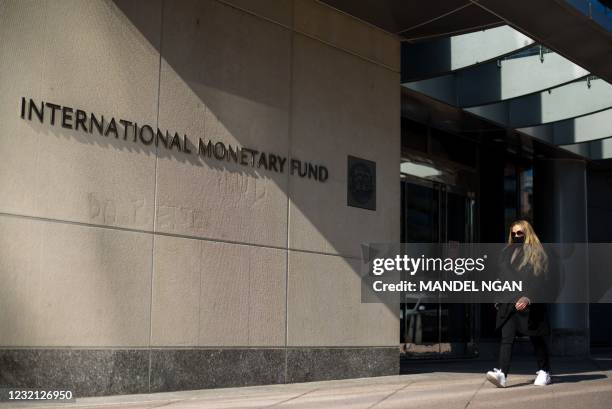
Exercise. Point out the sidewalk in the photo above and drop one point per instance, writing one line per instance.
(577, 383)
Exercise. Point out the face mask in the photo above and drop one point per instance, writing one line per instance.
(518, 240)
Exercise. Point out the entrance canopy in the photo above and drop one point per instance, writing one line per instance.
(535, 68)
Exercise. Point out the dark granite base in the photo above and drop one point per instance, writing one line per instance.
(318, 364)
(173, 370)
(87, 372)
(95, 372)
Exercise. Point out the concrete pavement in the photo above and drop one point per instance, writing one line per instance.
(577, 383)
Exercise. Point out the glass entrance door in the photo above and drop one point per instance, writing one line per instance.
(436, 213)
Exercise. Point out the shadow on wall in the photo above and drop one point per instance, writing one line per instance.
(198, 75)
(226, 79)
(238, 80)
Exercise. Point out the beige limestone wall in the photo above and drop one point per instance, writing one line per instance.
(108, 243)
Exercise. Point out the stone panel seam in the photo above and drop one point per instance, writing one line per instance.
(437, 17)
(189, 348)
(354, 54)
(269, 20)
(159, 73)
(288, 195)
(254, 14)
(390, 34)
(175, 235)
(367, 23)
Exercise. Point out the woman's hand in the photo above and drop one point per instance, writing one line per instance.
(522, 303)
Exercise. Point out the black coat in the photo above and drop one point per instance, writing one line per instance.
(534, 319)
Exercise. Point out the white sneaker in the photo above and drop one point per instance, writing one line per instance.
(542, 379)
(497, 378)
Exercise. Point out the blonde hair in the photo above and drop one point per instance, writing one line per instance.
(533, 252)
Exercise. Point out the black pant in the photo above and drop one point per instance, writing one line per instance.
(509, 330)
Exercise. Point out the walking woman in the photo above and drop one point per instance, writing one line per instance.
(523, 258)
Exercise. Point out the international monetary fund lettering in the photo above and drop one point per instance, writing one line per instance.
(80, 120)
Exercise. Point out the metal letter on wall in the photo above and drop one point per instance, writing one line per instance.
(361, 183)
